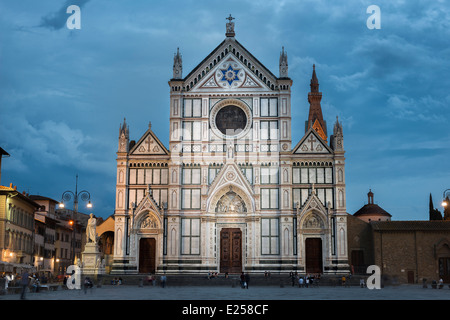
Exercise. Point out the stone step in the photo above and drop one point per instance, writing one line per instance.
(231, 280)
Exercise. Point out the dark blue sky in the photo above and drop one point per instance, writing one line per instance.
(64, 93)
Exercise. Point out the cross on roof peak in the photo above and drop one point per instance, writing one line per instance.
(230, 27)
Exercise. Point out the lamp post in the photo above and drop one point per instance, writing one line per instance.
(445, 196)
(67, 196)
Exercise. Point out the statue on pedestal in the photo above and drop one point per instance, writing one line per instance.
(92, 257)
(91, 235)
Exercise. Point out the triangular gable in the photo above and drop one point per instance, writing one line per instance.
(230, 176)
(312, 203)
(312, 143)
(318, 128)
(230, 74)
(148, 204)
(208, 74)
(230, 173)
(149, 144)
(209, 83)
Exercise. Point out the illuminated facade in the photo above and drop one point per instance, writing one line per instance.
(232, 192)
(16, 226)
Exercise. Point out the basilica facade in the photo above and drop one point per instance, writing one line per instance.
(232, 191)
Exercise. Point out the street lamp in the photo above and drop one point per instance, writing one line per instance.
(445, 198)
(67, 196)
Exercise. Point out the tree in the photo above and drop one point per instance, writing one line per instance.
(435, 214)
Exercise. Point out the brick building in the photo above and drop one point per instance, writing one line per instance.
(405, 251)
(409, 251)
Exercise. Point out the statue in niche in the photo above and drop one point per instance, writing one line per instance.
(231, 203)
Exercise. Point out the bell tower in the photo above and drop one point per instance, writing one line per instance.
(315, 118)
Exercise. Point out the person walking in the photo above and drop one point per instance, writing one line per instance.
(163, 280)
(24, 283)
(247, 280)
(292, 276)
(300, 282)
(87, 284)
(242, 280)
(361, 283)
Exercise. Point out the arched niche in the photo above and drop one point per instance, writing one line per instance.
(230, 199)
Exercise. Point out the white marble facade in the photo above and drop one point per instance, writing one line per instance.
(231, 192)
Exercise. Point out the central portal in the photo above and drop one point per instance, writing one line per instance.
(231, 250)
(147, 255)
(313, 247)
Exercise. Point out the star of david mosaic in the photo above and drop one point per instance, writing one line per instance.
(230, 75)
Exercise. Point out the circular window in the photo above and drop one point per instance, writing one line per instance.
(230, 118)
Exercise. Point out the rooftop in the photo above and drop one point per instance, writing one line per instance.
(414, 225)
(371, 209)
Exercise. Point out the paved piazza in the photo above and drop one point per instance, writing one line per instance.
(259, 302)
(127, 292)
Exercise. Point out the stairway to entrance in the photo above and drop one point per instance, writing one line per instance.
(233, 280)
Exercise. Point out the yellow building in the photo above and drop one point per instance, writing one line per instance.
(16, 226)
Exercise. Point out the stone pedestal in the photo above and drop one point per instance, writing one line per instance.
(91, 259)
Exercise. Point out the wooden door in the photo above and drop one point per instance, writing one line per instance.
(444, 269)
(357, 260)
(410, 275)
(147, 255)
(230, 250)
(313, 248)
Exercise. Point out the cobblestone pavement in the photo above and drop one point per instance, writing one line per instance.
(127, 292)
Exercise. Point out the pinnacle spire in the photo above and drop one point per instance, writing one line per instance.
(124, 133)
(177, 65)
(314, 81)
(123, 129)
(283, 64)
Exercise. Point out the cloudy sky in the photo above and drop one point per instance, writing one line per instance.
(64, 93)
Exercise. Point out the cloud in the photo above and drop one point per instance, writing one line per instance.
(349, 82)
(422, 109)
(61, 97)
(53, 143)
(57, 20)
